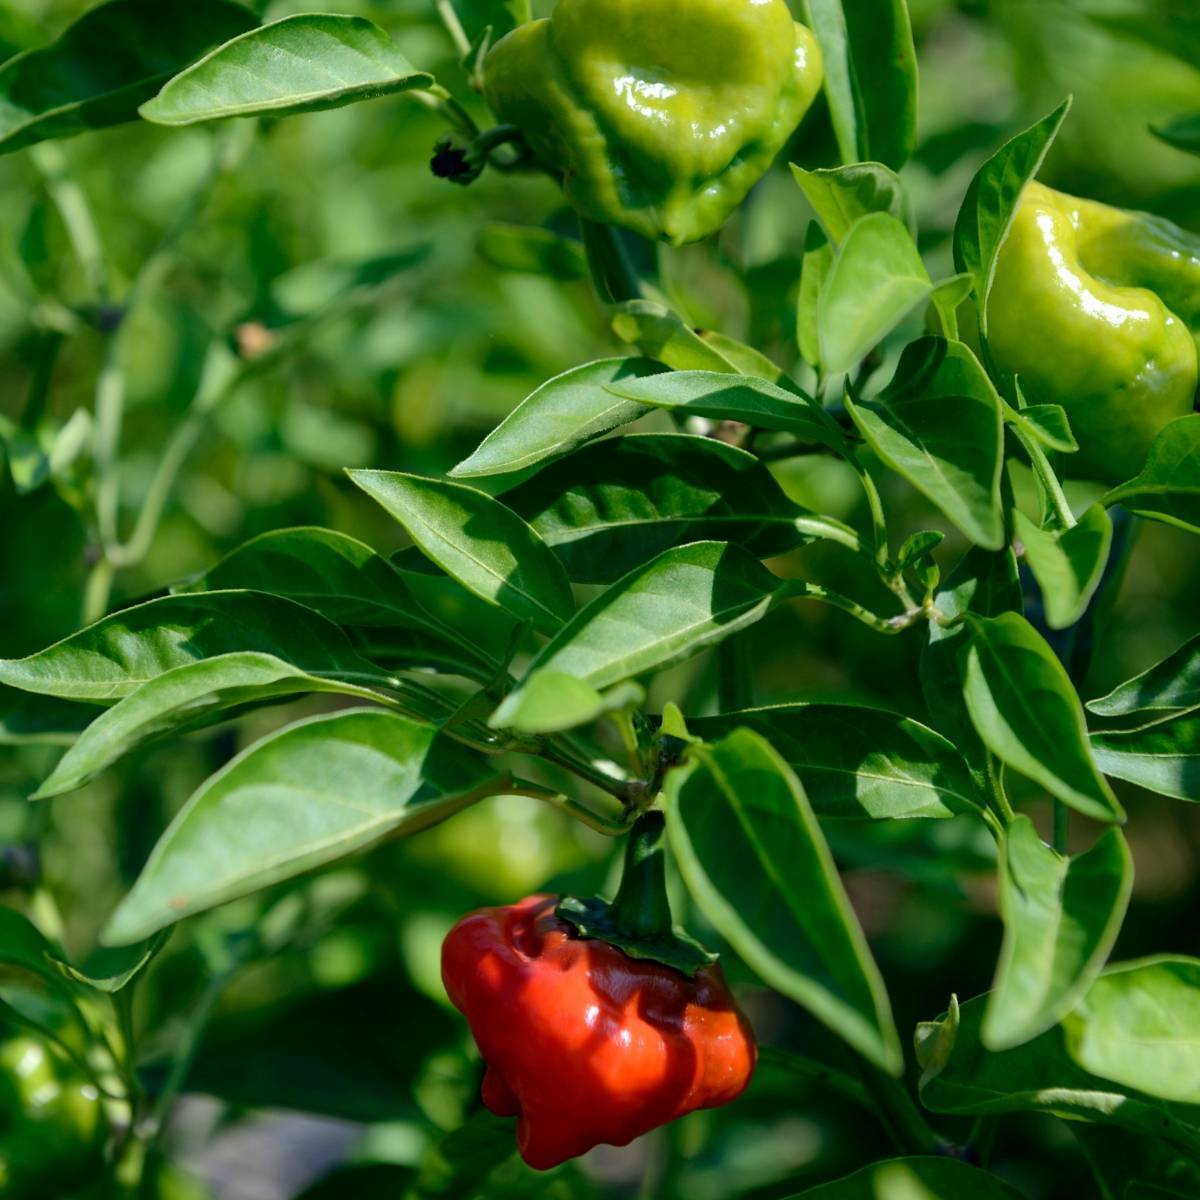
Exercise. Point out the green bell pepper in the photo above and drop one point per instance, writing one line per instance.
(660, 115)
(1098, 309)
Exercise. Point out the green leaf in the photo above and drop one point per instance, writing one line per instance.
(303, 63)
(1166, 689)
(23, 945)
(962, 1078)
(25, 717)
(744, 359)
(616, 504)
(530, 250)
(1162, 757)
(111, 970)
(1048, 423)
(1183, 133)
(478, 541)
(1137, 1025)
(660, 334)
(938, 424)
(183, 699)
(305, 796)
(1168, 489)
(671, 608)
(840, 195)
(104, 65)
(859, 763)
(552, 702)
(745, 398)
(1025, 709)
(876, 280)
(946, 297)
(1068, 564)
(565, 412)
(1061, 918)
(121, 652)
(870, 77)
(344, 580)
(817, 263)
(991, 200)
(754, 859)
(914, 1179)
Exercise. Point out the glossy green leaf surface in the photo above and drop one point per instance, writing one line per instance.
(1165, 689)
(859, 763)
(307, 795)
(302, 63)
(1137, 1025)
(1067, 563)
(612, 506)
(876, 280)
(938, 424)
(121, 652)
(1061, 918)
(1025, 709)
(1162, 756)
(754, 859)
(988, 207)
(478, 541)
(562, 414)
(69, 87)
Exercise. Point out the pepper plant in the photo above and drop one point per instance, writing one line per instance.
(950, 459)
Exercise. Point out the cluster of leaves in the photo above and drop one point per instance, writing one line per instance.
(539, 604)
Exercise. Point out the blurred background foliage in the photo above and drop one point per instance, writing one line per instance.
(385, 318)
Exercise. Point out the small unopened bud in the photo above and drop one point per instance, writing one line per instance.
(457, 159)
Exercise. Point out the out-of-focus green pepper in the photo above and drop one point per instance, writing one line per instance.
(1098, 309)
(659, 114)
(51, 1124)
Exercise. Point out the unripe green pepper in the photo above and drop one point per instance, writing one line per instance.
(51, 1125)
(1098, 309)
(660, 114)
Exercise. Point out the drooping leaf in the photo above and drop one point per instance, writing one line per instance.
(1162, 756)
(1026, 711)
(478, 541)
(914, 1179)
(840, 195)
(856, 762)
(870, 77)
(938, 424)
(305, 796)
(105, 64)
(991, 200)
(671, 608)
(121, 652)
(660, 334)
(1061, 918)
(876, 280)
(1168, 489)
(190, 697)
(754, 859)
(303, 63)
(961, 1077)
(614, 505)
(565, 412)
(744, 398)
(1068, 564)
(1137, 1025)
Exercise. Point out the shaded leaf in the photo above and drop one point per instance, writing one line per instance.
(26, 717)
(1061, 918)
(478, 541)
(551, 702)
(302, 797)
(660, 334)
(565, 412)
(914, 1179)
(1068, 564)
(302, 63)
(112, 969)
(754, 859)
(938, 424)
(1168, 489)
(1183, 133)
(1162, 757)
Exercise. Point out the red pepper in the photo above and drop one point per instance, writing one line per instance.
(583, 1043)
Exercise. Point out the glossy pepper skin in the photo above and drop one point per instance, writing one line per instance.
(1098, 309)
(51, 1125)
(660, 114)
(583, 1044)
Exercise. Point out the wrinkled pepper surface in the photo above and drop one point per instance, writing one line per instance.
(584, 1044)
(1098, 309)
(659, 114)
(51, 1125)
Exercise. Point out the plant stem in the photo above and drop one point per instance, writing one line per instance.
(901, 1118)
(1046, 477)
(609, 826)
(458, 35)
(875, 505)
(614, 787)
(641, 908)
(612, 273)
(45, 357)
(76, 213)
(995, 778)
(439, 100)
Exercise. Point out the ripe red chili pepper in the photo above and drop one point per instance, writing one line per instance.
(584, 1044)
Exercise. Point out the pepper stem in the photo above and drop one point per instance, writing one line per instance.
(641, 907)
